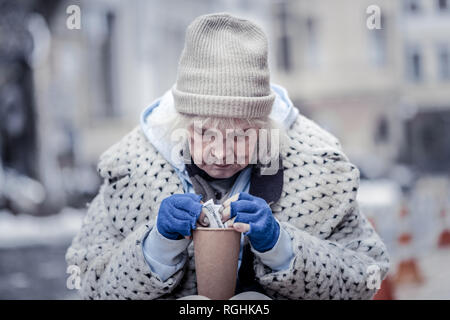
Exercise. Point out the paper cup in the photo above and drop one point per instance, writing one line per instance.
(216, 261)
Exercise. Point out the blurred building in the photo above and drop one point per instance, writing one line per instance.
(378, 90)
(344, 75)
(425, 89)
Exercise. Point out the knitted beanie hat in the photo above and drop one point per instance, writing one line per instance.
(223, 69)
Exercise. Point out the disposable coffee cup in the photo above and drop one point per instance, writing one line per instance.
(216, 261)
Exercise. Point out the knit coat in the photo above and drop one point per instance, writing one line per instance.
(335, 246)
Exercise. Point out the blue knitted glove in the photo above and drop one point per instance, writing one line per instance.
(264, 229)
(178, 215)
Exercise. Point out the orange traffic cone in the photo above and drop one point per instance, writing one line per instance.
(408, 270)
(444, 237)
(386, 291)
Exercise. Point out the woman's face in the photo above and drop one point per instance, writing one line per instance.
(222, 152)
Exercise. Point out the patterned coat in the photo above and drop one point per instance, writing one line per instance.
(335, 247)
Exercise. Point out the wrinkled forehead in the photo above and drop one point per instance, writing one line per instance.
(222, 124)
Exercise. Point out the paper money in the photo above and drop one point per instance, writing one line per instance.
(212, 212)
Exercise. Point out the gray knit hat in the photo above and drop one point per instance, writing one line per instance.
(223, 69)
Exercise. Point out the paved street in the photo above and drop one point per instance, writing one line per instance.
(36, 272)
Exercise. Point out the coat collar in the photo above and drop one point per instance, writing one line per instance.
(268, 187)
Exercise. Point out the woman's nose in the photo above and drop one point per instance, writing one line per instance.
(222, 153)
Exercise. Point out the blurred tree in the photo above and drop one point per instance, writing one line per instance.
(18, 142)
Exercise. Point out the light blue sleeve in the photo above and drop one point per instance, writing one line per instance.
(164, 256)
(280, 256)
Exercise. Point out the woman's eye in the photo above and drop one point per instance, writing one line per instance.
(200, 132)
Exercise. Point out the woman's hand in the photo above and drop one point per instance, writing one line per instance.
(254, 217)
(178, 215)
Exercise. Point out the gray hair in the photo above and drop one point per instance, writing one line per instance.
(176, 122)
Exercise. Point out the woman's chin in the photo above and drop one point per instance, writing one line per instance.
(221, 172)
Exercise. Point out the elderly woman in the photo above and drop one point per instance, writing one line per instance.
(303, 236)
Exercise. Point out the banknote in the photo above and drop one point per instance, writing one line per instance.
(212, 212)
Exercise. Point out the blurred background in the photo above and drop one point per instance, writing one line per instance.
(68, 94)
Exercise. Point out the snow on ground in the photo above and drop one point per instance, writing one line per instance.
(26, 230)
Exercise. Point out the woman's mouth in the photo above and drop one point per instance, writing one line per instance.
(222, 166)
